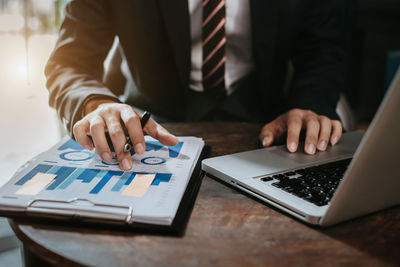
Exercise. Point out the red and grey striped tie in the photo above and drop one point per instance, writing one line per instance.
(214, 42)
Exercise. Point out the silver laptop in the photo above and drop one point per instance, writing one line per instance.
(360, 175)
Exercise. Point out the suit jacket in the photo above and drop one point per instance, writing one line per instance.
(154, 37)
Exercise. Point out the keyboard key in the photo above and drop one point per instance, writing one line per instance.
(301, 171)
(266, 179)
(279, 176)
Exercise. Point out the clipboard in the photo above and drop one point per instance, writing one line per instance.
(80, 211)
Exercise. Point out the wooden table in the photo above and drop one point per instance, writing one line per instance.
(226, 228)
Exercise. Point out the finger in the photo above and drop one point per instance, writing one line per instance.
(272, 131)
(312, 133)
(294, 125)
(160, 133)
(132, 124)
(80, 130)
(337, 131)
(324, 133)
(97, 131)
(267, 138)
(118, 139)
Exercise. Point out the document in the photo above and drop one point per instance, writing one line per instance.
(69, 180)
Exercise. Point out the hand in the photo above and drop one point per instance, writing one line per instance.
(106, 114)
(320, 130)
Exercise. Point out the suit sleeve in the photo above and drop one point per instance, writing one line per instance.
(318, 61)
(75, 69)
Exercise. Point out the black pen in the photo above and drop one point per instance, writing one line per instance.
(143, 120)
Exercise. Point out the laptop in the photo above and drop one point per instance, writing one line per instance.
(358, 176)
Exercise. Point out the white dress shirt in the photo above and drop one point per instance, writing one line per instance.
(239, 58)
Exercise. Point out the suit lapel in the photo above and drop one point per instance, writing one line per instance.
(177, 24)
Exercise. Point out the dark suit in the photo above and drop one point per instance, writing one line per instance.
(155, 39)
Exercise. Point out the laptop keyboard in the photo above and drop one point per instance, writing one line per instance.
(315, 184)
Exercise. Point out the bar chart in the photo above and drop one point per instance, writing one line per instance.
(64, 176)
(70, 180)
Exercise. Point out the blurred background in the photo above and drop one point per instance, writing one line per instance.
(28, 31)
(371, 37)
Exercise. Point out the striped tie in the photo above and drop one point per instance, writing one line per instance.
(214, 42)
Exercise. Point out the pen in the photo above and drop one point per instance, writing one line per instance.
(143, 120)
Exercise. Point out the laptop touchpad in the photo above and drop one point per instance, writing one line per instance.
(302, 158)
(270, 160)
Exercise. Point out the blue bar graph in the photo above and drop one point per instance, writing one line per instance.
(129, 180)
(62, 174)
(121, 182)
(128, 177)
(104, 181)
(162, 177)
(71, 178)
(65, 176)
(88, 175)
(101, 174)
(42, 168)
(54, 170)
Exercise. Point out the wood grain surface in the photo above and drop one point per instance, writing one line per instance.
(226, 228)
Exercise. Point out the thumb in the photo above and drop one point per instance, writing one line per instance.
(160, 133)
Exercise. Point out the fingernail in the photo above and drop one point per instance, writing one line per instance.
(292, 146)
(265, 141)
(322, 145)
(139, 148)
(334, 140)
(106, 157)
(311, 149)
(126, 165)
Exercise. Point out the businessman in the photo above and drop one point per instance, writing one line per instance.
(196, 60)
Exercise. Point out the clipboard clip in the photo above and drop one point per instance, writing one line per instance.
(81, 209)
